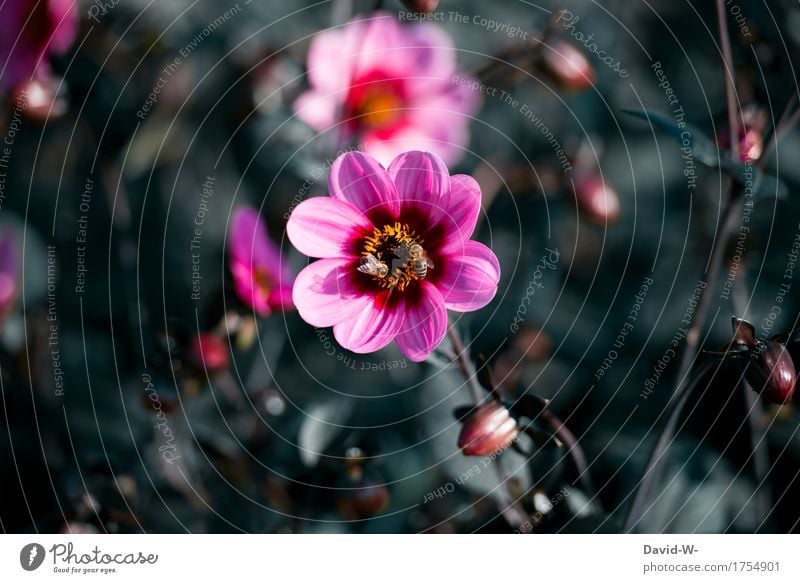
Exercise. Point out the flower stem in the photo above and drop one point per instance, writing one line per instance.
(464, 364)
(786, 122)
(508, 505)
(727, 73)
(758, 435)
(575, 451)
(721, 237)
(649, 477)
(758, 444)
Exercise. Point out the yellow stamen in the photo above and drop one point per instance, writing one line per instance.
(378, 108)
(390, 245)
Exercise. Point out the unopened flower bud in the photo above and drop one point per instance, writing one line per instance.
(40, 98)
(209, 353)
(369, 499)
(567, 67)
(75, 527)
(750, 141)
(489, 429)
(597, 200)
(751, 145)
(751, 134)
(421, 6)
(743, 333)
(772, 373)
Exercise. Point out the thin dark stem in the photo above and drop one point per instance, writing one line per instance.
(509, 506)
(680, 398)
(758, 444)
(528, 52)
(771, 137)
(464, 364)
(758, 440)
(722, 235)
(525, 53)
(757, 435)
(786, 123)
(724, 230)
(574, 450)
(730, 83)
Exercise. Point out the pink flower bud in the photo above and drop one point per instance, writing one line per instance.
(751, 143)
(41, 98)
(489, 429)
(743, 333)
(209, 353)
(421, 6)
(769, 368)
(751, 134)
(597, 200)
(567, 67)
(772, 373)
(368, 499)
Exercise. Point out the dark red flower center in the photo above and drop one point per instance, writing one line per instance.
(39, 27)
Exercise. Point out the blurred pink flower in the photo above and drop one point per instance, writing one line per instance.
(373, 235)
(389, 87)
(9, 273)
(260, 275)
(30, 31)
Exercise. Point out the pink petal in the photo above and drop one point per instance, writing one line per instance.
(360, 180)
(8, 292)
(64, 19)
(281, 298)
(379, 43)
(324, 293)
(317, 109)
(421, 178)
(324, 226)
(9, 254)
(247, 291)
(461, 211)
(385, 149)
(372, 328)
(425, 324)
(441, 132)
(469, 281)
(247, 234)
(434, 57)
(436, 123)
(329, 64)
(456, 98)
(337, 56)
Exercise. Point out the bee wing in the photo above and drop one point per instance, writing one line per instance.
(368, 264)
(428, 262)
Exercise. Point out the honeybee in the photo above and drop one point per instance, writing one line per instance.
(371, 265)
(420, 261)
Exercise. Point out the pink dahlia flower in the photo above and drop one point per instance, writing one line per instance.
(389, 87)
(260, 276)
(30, 31)
(395, 253)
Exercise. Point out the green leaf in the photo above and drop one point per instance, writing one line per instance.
(702, 148)
(758, 184)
